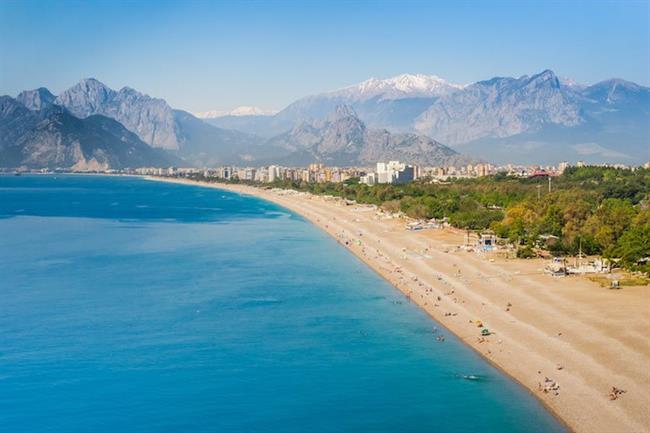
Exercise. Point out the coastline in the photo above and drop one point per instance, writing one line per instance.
(582, 336)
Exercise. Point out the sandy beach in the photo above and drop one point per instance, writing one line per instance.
(568, 340)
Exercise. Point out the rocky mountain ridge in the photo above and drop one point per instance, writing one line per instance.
(54, 138)
(342, 139)
(150, 118)
(530, 119)
(157, 124)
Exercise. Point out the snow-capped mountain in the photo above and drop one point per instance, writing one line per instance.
(529, 119)
(373, 96)
(539, 118)
(244, 110)
(570, 82)
(391, 103)
(399, 87)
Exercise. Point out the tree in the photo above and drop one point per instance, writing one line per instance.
(610, 220)
(634, 244)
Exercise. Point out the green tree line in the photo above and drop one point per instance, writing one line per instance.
(600, 210)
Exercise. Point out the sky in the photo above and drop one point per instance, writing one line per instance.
(202, 55)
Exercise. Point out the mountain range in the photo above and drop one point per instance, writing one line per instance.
(179, 137)
(342, 139)
(53, 138)
(176, 137)
(244, 110)
(530, 119)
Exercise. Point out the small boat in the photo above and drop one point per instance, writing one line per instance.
(471, 377)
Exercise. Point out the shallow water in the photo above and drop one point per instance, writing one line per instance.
(135, 306)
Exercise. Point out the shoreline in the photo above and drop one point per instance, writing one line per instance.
(562, 329)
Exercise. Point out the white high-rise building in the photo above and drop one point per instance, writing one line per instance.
(393, 172)
(274, 172)
(562, 166)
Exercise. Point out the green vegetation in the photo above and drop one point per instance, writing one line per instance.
(603, 211)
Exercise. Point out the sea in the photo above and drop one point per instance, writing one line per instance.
(129, 305)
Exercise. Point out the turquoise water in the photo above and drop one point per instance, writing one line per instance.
(135, 306)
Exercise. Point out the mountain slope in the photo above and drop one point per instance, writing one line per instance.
(36, 99)
(205, 145)
(343, 139)
(390, 103)
(54, 138)
(150, 118)
(500, 107)
(261, 126)
(403, 90)
(157, 124)
(530, 119)
(613, 126)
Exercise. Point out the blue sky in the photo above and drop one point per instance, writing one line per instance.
(202, 55)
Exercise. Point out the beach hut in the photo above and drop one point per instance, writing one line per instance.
(487, 241)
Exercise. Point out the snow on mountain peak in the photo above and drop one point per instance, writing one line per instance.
(571, 83)
(250, 111)
(239, 111)
(408, 82)
(398, 87)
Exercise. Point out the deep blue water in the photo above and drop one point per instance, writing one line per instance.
(135, 306)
